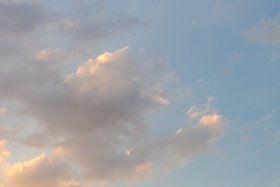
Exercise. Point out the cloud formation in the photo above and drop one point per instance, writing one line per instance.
(91, 114)
(21, 18)
(100, 107)
(277, 136)
(94, 117)
(88, 30)
(40, 171)
(266, 32)
(3, 152)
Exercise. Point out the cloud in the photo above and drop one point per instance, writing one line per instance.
(92, 21)
(21, 18)
(3, 152)
(39, 139)
(3, 111)
(19, 22)
(277, 136)
(28, 25)
(198, 111)
(95, 117)
(266, 32)
(91, 97)
(41, 171)
(173, 150)
(102, 102)
(90, 110)
(209, 119)
(52, 55)
(88, 30)
(92, 114)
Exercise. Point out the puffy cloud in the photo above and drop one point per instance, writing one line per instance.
(95, 117)
(209, 119)
(111, 91)
(109, 96)
(41, 171)
(91, 113)
(267, 32)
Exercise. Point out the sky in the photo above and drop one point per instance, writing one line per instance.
(130, 93)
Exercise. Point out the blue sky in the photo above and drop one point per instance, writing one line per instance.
(139, 93)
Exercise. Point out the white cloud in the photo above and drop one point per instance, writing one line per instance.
(267, 31)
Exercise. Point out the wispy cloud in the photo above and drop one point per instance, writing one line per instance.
(266, 32)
